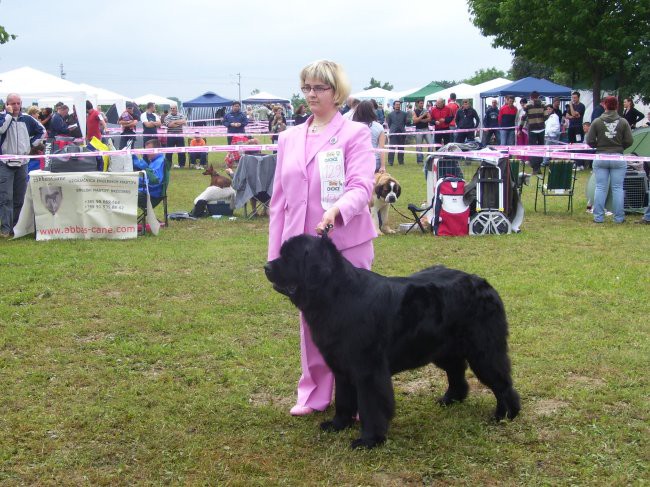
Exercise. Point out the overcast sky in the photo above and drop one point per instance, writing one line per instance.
(183, 48)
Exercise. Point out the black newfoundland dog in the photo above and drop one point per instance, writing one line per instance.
(369, 327)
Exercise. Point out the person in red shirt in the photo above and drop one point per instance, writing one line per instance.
(441, 118)
(454, 107)
(94, 123)
(507, 116)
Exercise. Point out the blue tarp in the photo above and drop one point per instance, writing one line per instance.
(525, 86)
(208, 99)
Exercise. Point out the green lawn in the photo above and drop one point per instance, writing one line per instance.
(170, 360)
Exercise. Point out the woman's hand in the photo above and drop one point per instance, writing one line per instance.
(328, 220)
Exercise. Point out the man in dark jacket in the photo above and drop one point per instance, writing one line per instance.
(466, 118)
(235, 120)
(396, 122)
(18, 134)
(491, 120)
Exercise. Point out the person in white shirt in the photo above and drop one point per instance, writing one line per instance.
(551, 129)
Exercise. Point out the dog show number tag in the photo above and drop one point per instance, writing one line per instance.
(332, 176)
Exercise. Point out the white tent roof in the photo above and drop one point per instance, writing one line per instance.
(157, 99)
(374, 93)
(34, 85)
(493, 83)
(462, 90)
(264, 97)
(101, 96)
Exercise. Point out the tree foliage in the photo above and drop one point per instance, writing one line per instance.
(483, 75)
(374, 83)
(254, 92)
(446, 83)
(297, 100)
(582, 38)
(5, 36)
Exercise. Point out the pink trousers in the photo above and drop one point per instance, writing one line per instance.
(317, 381)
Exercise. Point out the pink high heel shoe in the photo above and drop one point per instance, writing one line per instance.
(299, 410)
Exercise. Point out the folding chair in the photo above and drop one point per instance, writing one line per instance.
(155, 201)
(518, 169)
(557, 179)
(418, 215)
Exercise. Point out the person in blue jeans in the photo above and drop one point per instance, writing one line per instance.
(609, 134)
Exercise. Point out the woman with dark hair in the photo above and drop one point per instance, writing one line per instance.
(609, 134)
(631, 114)
(300, 116)
(365, 113)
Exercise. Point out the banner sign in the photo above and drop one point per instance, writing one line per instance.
(84, 205)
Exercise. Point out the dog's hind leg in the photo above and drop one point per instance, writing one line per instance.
(458, 387)
(345, 405)
(493, 370)
(376, 407)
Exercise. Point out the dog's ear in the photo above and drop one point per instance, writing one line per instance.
(379, 189)
(398, 190)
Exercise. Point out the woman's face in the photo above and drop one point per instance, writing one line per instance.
(626, 103)
(320, 103)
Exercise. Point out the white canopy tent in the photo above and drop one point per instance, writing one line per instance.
(101, 96)
(381, 96)
(157, 99)
(473, 92)
(33, 86)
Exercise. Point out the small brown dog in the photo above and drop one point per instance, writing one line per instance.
(217, 179)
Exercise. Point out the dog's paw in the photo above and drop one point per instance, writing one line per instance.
(336, 424)
(367, 443)
(387, 230)
(448, 400)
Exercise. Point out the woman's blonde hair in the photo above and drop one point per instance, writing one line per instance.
(33, 110)
(331, 74)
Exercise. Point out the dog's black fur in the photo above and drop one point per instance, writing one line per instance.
(369, 327)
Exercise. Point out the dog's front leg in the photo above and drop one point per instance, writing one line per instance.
(384, 219)
(345, 405)
(376, 407)
(375, 216)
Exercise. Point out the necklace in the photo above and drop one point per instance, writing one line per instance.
(314, 127)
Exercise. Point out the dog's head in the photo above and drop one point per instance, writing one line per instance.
(387, 188)
(51, 197)
(304, 265)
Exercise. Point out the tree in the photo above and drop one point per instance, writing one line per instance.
(297, 100)
(446, 83)
(5, 36)
(483, 75)
(255, 92)
(523, 68)
(582, 38)
(374, 83)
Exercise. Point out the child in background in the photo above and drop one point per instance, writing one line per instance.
(202, 157)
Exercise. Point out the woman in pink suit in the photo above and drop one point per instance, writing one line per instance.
(324, 176)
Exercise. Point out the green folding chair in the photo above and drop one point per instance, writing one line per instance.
(557, 179)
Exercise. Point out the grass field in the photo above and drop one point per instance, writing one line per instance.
(170, 360)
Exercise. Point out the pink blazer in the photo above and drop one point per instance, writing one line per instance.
(294, 201)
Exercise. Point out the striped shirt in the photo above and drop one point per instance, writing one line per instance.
(173, 118)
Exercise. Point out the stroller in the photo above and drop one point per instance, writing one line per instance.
(492, 195)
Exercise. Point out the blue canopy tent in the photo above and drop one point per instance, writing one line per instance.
(208, 106)
(525, 86)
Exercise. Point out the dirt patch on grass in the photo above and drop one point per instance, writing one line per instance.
(395, 479)
(95, 337)
(264, 398)
(548, 407)
(586, 382)
(424, 380)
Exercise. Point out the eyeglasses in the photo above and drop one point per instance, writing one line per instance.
(317, 89)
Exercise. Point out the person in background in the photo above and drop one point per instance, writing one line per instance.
(522, 125)
(454, 107)
(631, 114)
(365, 113)
(507, 116)
(95, 125)
(466, 118)
(298, 207)
(154, 166)
(441, 118)
(128, 122)
(58, 126)
(421, 119)
(609, 134)
(381, 116)
(574, 112)
(235, 121)
(300, 116)
(551, 129)
(647, 122)
(491, 120)
(278, 124)
(46, 117)
(598, 111)
(175, 123)
(396, 122)
(150, 122)
(201, 157)
(352, 105)
(534, 118)
(18, 134)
